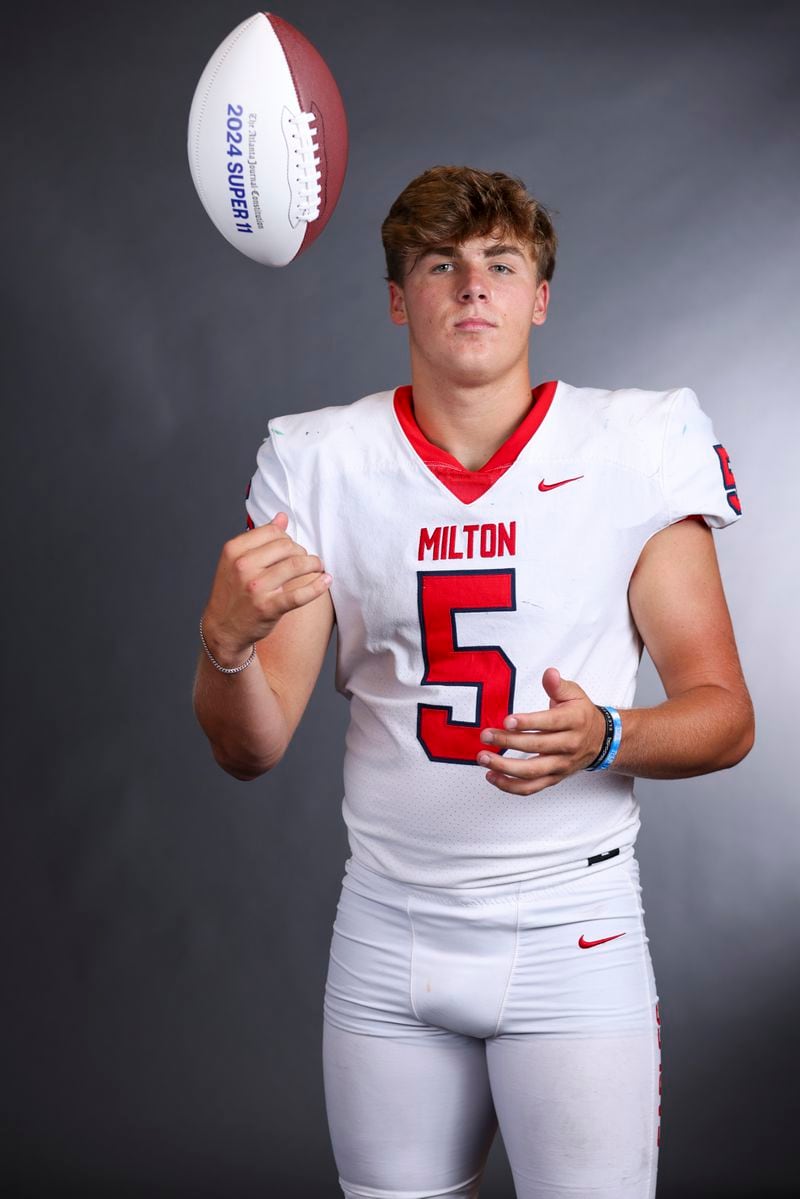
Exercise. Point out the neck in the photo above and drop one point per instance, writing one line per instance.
(471, 420)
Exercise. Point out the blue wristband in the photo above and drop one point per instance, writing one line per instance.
(607, 759)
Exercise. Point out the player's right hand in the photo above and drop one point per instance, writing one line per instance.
(261, 574)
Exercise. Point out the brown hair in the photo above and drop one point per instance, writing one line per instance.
(448, 205)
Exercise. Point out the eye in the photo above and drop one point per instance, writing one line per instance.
(502, 267)
(439, 266)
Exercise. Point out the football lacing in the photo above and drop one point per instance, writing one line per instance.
(304, 174)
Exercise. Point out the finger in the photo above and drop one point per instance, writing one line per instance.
(308, 587)
(516, 786)
(526, 768)
(295, 593)
(275, 554)
(251, 539)
(560, 689)
(551, 680)
(563, 741)
(553, 721)
(276, 548)
(289, 569)
(271, 528)
(280, 521)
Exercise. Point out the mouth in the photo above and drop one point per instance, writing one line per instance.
(474, 323)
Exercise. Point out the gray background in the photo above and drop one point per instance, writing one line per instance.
(166, 928)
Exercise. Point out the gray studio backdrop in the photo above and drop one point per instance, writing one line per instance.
(166, 928)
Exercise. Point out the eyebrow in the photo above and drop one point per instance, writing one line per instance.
(454, 252)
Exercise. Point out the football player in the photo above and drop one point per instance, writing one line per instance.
(494, 556)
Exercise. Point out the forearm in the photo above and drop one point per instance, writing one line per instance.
(706, 728)
(239, 713)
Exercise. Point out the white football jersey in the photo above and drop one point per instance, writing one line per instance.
(455, 589)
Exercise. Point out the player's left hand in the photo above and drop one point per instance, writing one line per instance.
(566, 738)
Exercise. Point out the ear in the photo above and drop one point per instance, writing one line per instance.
(540, 303)
(397, 305)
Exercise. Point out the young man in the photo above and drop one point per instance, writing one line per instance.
(498, 556)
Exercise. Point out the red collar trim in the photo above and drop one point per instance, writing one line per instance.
(469, 485)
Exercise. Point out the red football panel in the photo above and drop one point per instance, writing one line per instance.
(317, 91)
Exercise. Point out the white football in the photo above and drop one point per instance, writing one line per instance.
(268, 140)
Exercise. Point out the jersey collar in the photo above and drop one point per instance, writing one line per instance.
(468, 485)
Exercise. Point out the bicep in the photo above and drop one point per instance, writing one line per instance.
(679, 608)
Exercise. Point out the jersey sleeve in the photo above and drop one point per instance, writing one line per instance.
(269, 492)
(697, 476)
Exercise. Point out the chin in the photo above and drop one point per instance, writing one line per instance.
(466, 374)
(480, 362)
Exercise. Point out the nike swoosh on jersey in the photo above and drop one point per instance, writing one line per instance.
(549, 486)
(584, 944)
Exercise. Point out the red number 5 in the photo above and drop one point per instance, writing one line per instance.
(440, 595)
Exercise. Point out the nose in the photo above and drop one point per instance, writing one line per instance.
(473, 285)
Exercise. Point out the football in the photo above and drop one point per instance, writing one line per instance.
(267, 140)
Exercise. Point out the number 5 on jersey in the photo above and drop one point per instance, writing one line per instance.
(441, 595)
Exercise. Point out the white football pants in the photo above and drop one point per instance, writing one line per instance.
(447, 1013)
